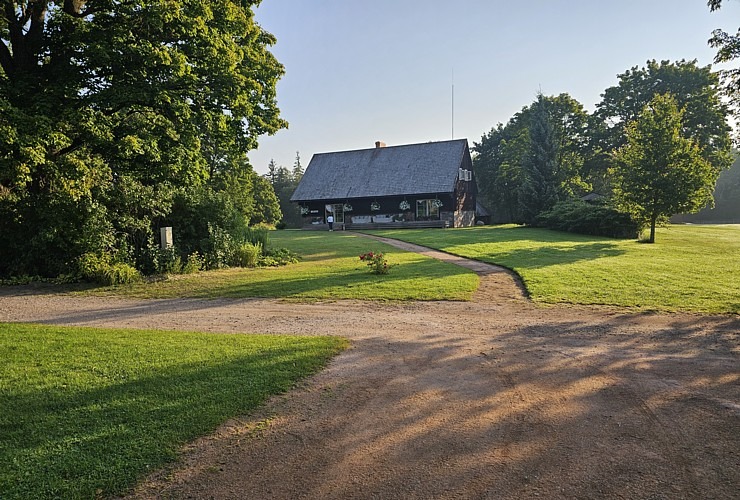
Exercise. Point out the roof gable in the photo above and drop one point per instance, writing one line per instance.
(430, 167)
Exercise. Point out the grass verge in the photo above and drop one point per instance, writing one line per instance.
(330, 269)
(86, 412)
(689, 268)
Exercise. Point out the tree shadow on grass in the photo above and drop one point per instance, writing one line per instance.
(79, 443)
(401, 283)
(538, 258)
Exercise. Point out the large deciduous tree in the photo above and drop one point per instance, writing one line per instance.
(696, 91)
(659, 172)
(104, 101)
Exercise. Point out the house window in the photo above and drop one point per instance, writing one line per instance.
(426, 210)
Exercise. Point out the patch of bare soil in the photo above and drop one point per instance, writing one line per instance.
(494, 398)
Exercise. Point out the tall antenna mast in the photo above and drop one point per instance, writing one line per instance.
(453, 103)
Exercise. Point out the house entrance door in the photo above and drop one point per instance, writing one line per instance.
(337, 210)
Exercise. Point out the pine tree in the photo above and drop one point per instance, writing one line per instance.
(539, 189)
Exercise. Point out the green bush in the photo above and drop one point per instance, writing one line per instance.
(169, 261)
(194, 264)
(100, 268)
(257, 235)
(597, 219)
(279, 257)
(120, 274)
(219, 248)
(247, 255)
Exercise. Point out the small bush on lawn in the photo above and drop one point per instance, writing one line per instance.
(279, 257)
(376, 261)
(247, 255)
(597, 219)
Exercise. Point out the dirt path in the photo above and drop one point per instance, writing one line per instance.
(494, 398)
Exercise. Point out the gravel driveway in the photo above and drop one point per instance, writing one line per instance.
(494, 398)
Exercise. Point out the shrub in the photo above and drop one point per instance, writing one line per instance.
(194, 264)
(219, 248)
(257, 235)
(279, 257)
(247, 255)
(120, 274)
(168, 261)
(376, 262)
(597, 219)
(90, 265)
(99, 268)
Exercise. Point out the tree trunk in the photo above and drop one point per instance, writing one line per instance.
(652, 230)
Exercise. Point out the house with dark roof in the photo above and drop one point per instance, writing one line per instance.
(414, 185)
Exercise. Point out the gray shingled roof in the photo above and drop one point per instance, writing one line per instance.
(393, 170)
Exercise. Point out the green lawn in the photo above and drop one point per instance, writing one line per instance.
(86, 412)
(689, 268)
(330, 269)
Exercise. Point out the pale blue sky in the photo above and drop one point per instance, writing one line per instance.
(360, 71)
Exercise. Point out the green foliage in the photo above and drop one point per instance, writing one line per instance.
(110, 111)
(279, 257)
(219, 248)
(194, 264)
(100, 268)
(696, 91)
(169, 261)
(553, 150)
(596, 219)
(284, 182)
(659, 173)
(247, 255)
(536, 159)
(119, 273)
(692, 268)
(89, 412)
(376, 261)
(539, 186)
(267, 205)
(726, 196)
(728, 50)
(257, 236)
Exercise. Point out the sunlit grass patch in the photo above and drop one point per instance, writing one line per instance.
(689, 268)
(86, 412)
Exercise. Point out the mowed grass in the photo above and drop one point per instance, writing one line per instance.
(86, 412)
(689, 268)
(329, 269)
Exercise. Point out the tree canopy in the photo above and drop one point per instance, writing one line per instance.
(553, 150)
(536, 159)
(696, 90)
(109, 109)
(284, 182)
(659, 172)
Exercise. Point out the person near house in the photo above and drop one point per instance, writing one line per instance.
(330, 221)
